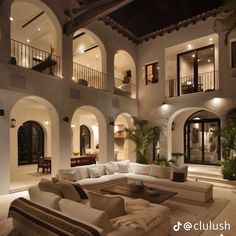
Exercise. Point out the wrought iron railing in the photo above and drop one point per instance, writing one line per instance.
(206, 82)
(33, 58)
(126, 89)
(89, 77)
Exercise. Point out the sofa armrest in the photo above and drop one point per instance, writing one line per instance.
(46, 221)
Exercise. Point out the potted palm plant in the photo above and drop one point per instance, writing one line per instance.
(142, 135)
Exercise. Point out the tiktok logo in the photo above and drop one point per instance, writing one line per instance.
(177, 226)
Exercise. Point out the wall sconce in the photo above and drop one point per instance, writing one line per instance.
(1, 112)
(13, 123)
(112, 123)
(66, 119)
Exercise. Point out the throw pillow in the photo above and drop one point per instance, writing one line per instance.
(113, 206)
(165, 172)
(178, 177)
(46, 185)
(123, 167)
(72, 192)
(110, 168)
(71, 176)
(141, 169)
(82, 172)
(183, 169)
(93, 172)
(101, 169)
(156, 171)
(84, 213)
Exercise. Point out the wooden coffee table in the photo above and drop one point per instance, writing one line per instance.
(125, 190)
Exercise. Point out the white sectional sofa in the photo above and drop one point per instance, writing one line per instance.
(115, 172)
(50, 214)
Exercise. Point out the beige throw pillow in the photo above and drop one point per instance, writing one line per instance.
(71, 176)
(113, 206)
(183, 169)
(72, 192)
(82, 172)
(123, 167)
(93, 172)
(84, 213)
(111, 168)
(46, 185)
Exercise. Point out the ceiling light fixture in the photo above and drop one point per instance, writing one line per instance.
(39, 29)
(189, 46)
(11, 18)
(28, 40)
(193, 55)
(210, 39)
(208, 60)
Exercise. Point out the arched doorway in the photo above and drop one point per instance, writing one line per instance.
(30, 143)
(85, 139)
(200, 144)
(123, 148)
(124, 74)
(90, 121)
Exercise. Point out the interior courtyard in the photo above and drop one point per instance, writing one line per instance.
(80, 79)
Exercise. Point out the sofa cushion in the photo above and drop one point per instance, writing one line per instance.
(156, 171)
(113, 206)
(48, 186)
(71, 176)
(93, 172)
(123, 167)
(47, 199)
(182, 169)
(32, 219)
(165, 172)
(141, 169)
(101, 169)
(111, 168)
(82, 172)
(82, 212)
(70, 191)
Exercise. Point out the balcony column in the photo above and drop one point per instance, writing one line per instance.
(110, 72)
(5, 31)
(65, 150)
(5, 152)
(222, 82)
(67, 57)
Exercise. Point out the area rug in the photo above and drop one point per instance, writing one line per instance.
(189, 211)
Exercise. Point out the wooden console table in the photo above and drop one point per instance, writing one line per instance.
(83, 160)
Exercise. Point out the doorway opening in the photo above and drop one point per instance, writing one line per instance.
(201, 146)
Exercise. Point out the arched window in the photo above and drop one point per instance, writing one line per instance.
(30, 143)
(85, 139)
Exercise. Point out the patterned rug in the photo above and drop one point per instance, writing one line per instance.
(193, 212)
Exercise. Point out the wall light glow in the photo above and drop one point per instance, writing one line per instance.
(73, 126)
(46, 122)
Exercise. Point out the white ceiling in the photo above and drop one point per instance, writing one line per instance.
(41, 31)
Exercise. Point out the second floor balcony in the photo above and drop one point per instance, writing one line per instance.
(204, 82)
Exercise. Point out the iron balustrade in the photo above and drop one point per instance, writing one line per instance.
(206, 82)
(33, 58)
(89, 77)
(126, 89)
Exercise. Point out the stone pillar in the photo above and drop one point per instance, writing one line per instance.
(110, 72)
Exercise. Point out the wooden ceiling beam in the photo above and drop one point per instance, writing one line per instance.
(93, 14)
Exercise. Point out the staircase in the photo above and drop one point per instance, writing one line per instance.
(209, 174)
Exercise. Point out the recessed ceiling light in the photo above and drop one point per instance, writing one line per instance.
(210, 39)
(81, 49)
(193, 55)
(39, 29)
(28, 40)
(11, 18)
(208, 60)
(189, 46)
(96, 55)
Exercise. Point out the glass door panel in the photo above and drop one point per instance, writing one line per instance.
(195, 142)
(186, 72)
(210, 143)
